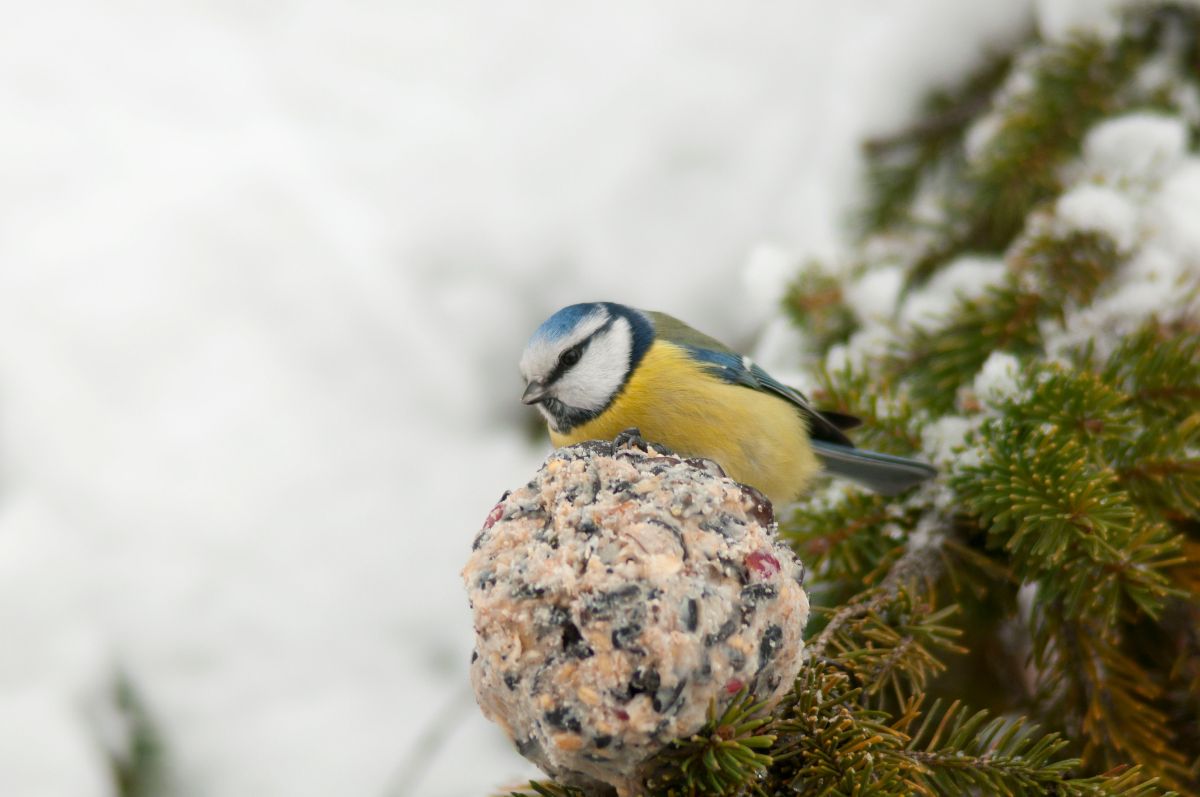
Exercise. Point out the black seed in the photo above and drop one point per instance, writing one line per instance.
(665, 699)
(644, 682)
(478, 540)
(474, 656)
(573, 643)
(724, 632)
(511, 680)
(624, 637)
(587, 527)
(758, 505)
(721, 524)
(522, 512)
(756, 593)
(562, 719)
(604, 605)
(736, 568)
(527, 591)
(527, 747)
(692, 618)
(737, 659)
(706, 465)
(486, 580)
(772, 639)
(675, 531)
(602, 741)
(753, 595)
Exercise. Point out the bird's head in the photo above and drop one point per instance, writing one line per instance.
(579, 359)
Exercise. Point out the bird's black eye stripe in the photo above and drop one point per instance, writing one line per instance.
(571, 355)
(566, 360)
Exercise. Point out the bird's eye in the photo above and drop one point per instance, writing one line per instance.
(571, 356)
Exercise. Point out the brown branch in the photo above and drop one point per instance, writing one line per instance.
(917, 564)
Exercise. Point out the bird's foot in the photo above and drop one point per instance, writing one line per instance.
(632, 438)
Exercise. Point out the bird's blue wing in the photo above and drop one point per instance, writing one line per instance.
(738, 370)
(882, 473)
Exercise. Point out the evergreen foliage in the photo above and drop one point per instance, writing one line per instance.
(138, 767)
(1030, 623)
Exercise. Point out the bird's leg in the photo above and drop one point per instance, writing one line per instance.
(632, 438)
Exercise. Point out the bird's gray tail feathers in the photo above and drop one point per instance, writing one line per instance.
(882, 473)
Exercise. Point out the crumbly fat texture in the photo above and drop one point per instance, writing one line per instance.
(615, 596)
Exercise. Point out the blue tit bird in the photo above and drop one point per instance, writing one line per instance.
(595, 370)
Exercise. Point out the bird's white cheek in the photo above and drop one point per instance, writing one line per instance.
(592, 384)
(590, 388)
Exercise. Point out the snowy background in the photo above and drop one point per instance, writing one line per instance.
(265, 273)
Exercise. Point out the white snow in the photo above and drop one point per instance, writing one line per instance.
(1176, 212)
(866, 345)
(942, 439)
(1135, 149)
(1141, 187)
(968, 277)
(873, 296)
(999, 379)
(1059, 19)
(265, 271)
(1096, 208)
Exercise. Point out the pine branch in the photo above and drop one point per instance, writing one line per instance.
(843, 544)
(895, 649)
(1072, 84)
(723, 757)
(1003, 756)
(938, 361)
(1159, 368)
(547, 788)
(889, 419)
(1065, 523)
(913, 573)
(899, 163)
(1047, 271)
(1108, 700)
(814, 301)
(138, 769)
(830, 745)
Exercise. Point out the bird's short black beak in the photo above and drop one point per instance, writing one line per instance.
(534, 392)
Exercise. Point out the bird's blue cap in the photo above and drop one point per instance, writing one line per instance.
(562, 322)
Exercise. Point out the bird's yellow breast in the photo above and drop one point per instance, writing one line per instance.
(758, 438)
